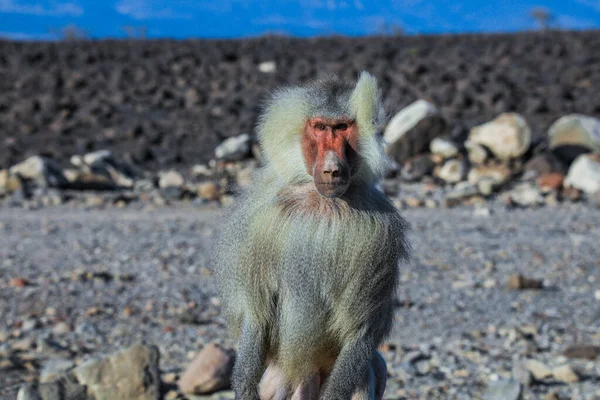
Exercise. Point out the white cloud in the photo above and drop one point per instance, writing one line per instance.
(595, 4)
(176, 9)
(50, 8)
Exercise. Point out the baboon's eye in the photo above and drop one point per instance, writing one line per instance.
(341, 127)
(320, 126)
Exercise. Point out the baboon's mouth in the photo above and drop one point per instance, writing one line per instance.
(331, 189)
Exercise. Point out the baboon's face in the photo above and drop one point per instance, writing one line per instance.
(330, 148)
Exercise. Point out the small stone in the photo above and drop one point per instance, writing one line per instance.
(170, 179)
(234, 148)
(412, 129)
(416, 168)
(519, 282)
(461, 191)
(498, 174)
(551, 181)
(172, 193)
(566, 374)
(526, 195)
(208, 372)
(170, 377)
(431, 203)
(30, 324)
(584, 173)
(23, 344)
(571, 193)
(413, 202)
(444, 147)
(201, 171)
(572, 134)
(582, 351)
(267, 67)
(191, 97)
(452, 171)
(171, 395)
(4, 336)
(3, 180)
(508, 389)
(208, 191)
(507, 136)
(53, 368)
(476, 153)
(486, 186)
(542, 164)
(61, 328)
(18, 282)
(539, 370)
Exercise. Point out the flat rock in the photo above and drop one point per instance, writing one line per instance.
(234, 148)
(573, 133)
(208, 372)
(412, 129)
(538, 369)
(582, 351)
(507, 389)
(129, 374)
(566, 374)
(507, 136)
(584, 173)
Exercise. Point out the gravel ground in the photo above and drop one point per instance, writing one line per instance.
(97, 280)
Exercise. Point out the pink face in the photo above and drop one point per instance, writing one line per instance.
(330, 148)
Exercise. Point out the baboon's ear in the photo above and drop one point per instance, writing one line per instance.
(366, 101)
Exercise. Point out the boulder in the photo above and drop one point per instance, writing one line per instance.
(574, 134)
(129, 374)
(208, 372)
(412, 129)
(584, 173)
(508, 136)
(234, 148)
(40, 170)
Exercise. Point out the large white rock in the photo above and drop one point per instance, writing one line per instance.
(444, 147)
(507, 136)
(577, 130)
(234, 148)
(584, 173)
(411, 130)
(452, 171)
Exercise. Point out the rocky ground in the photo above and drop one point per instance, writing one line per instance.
(169, 103)
(78, 284)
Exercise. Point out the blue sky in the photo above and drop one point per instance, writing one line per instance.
(40, 20)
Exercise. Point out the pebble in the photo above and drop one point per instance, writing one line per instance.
(539, 370)
(520, 282)
(170, 179)
(507, 389)
(444, 147)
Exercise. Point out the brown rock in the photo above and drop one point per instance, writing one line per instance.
(208, 372)
(551, 181)
(582, 351)
(543, 164)
(18, 282)
(208, 191)
(519, 282)
(129, 374)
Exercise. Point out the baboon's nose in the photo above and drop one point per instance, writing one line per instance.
(333, 171)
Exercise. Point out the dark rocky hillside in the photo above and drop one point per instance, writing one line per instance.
(169, 103)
